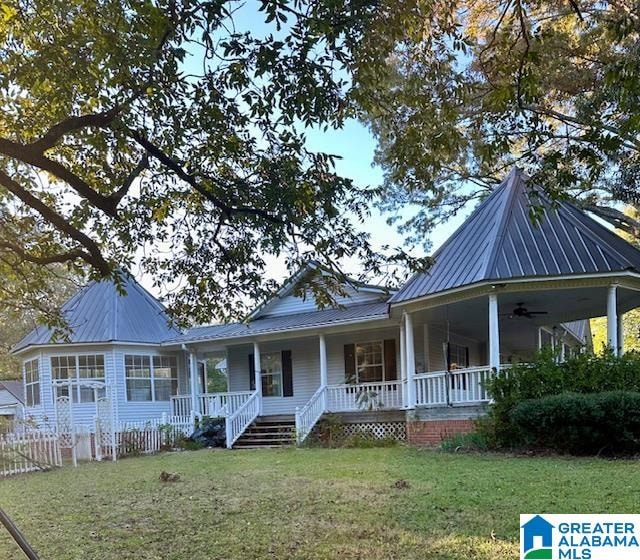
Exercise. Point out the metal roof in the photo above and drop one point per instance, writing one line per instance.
(499, 241)
(99, 313)
(16, 388)
(327, 317)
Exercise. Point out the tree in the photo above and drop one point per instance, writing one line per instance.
(630, 320)
(159, 127)
(480, 86)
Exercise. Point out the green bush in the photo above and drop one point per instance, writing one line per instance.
(581, 424)
(473, 441)
(545, 376)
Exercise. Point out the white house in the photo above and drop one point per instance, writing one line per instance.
(411, 362)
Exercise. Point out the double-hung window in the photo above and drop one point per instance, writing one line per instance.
(63, 368)
(32, 382)
(90, 368)
(150, 378)
(370, 362)
(271, 365)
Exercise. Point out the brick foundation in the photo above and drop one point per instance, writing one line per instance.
(432, 432)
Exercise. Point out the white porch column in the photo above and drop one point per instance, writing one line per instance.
(410, 360)
(258, 371)
(403, 363)
(193, 381)
(324, 371)
(494, 333)
(612, 318)
(620, 334)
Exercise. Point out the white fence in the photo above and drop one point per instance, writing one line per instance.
(29, 452)
(150, 436)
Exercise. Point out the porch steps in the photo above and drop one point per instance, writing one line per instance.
(268, 432)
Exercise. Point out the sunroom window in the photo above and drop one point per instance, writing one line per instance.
(32, 382)
(85, 367)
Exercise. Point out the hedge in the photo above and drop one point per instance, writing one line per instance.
(581, 424)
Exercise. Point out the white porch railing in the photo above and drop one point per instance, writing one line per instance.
(222, 404)
(310, 413)
(210, 404)
(462, 386)
(238, 421)
(364, 396)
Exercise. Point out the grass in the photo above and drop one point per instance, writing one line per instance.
(309, 504)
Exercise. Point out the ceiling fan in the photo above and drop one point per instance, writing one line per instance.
(521, 311)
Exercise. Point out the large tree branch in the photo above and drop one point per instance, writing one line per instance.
(616, 218)
(67, 256)
(30, 156)
(192, 180)
(73, 124)
(93, 256)
(126, 185)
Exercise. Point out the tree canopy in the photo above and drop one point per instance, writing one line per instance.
(475, 87)
(160, 131)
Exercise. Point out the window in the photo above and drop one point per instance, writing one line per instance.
(137, 372)
(32, 382)
(63, 368)
(165, 373)
(89, 367)
(369, 362)
(271, 365)
(458, 356)
(150, 379)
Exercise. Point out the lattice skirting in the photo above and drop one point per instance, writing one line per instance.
(377, 430)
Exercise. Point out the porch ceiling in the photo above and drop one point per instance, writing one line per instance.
(470, 317)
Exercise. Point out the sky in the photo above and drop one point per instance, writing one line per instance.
(355, 146)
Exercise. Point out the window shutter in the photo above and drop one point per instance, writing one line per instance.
(287, 374)
(466, 356)
(390, 369)
(350, 363)
(252, 373)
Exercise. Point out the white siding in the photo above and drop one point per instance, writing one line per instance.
(435, 353)
(305, 359)
(84, 413)
(291, 304)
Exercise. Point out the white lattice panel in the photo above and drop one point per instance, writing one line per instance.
(64, 421)
(377, 430)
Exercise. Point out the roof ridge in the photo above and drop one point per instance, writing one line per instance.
(501, 223)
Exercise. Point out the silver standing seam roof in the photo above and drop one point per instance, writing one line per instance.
(499, 241)
(99, 313)
(310, 319)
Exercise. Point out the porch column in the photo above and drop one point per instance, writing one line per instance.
(494, 333)
(403, 363)
(620, 334)
(612, 318)
(410, 360)
(258, 371)
(193, 381)
(324, 372)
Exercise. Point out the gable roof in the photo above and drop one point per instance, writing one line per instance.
(98, 313)
(289, 285)
(16, 388)
(498, 241)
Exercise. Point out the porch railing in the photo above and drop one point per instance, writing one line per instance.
(310, 413)
(239, 420)
(210, 404)
(222, 404)
(364, 396)
(462, 386)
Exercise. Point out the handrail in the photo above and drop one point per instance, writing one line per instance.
(237, 422)
(457, 387)
(356, 397)
(308, 415)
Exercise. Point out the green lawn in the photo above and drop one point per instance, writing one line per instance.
(306, 504)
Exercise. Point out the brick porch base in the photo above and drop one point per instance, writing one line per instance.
(432, 432)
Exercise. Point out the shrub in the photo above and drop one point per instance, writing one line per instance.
(473, 441)
(544, 376)
(581, 424)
